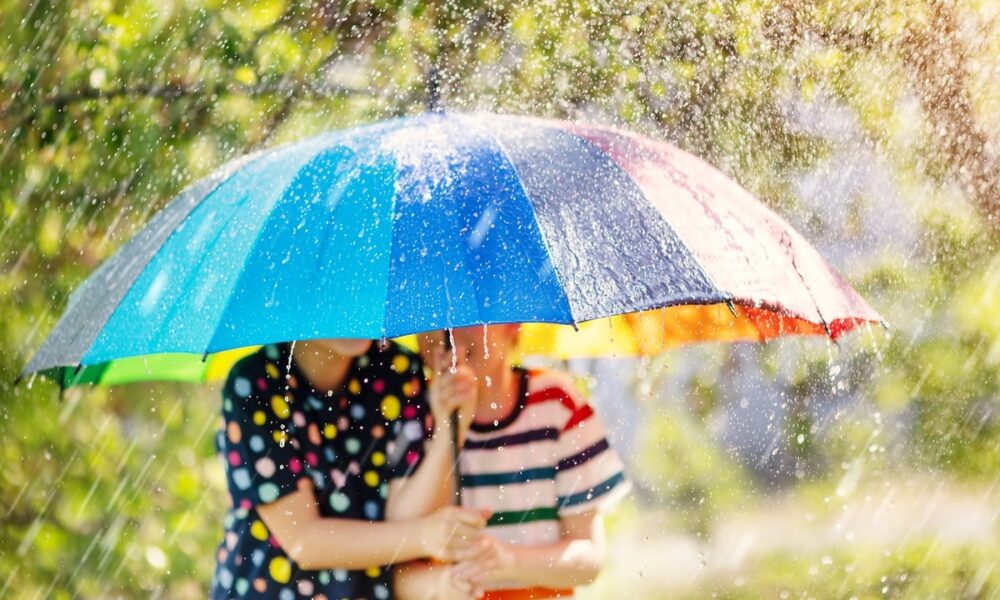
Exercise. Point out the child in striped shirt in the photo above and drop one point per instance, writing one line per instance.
(536, 455)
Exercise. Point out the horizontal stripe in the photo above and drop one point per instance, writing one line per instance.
(589, 474)
(533, 593)
(579, 416)
(544, 530)
(538, 533)
(594, 492)
(587, 478)
(583, 456)
(522, 476)
(517, 517)
(523, 496)
(533, 416)
(551, 394)
(543, 454)
(525, 437)
(582, 436)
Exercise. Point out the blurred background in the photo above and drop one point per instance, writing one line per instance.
(796, 469)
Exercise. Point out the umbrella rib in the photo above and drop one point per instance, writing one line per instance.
(655, 209)
(541, 232)
(228, 173)
(201, 261)
(697, 192)
(239, 275)
(786, 243)
(250, 250)
(388, 271)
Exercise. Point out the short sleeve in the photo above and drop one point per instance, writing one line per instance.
(590, 474)
(412, 424)
(257, 443)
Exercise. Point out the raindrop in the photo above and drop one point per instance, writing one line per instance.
(288, 366)
(454, 353)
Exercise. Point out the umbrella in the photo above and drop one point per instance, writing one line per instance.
(445, 220)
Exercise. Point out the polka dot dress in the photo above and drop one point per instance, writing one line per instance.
(350, 443)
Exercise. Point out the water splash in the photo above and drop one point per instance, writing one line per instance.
(288, 365)
(454, 352)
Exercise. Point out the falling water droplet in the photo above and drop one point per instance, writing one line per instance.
(288, 367)
(486, 346)
(454, 353)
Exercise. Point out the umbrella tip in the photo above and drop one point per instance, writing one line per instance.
(204, 356)
(732, 307)
(18, 379)
(826, 328)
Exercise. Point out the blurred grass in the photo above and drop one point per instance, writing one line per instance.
(789, 548)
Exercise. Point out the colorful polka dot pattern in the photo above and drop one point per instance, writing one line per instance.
(277, 430)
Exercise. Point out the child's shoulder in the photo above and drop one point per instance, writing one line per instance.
(559, 385)
(552, 388)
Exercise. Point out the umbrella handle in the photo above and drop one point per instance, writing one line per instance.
(456, 471)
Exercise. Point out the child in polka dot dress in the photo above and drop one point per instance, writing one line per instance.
(319, 441)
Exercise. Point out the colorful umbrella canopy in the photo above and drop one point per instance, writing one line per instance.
(447, 220)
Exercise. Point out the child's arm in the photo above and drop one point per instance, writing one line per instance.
(575, 560)
(432, 485)
(317, 542)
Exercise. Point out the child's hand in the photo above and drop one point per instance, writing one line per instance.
(450, 392)
(450, 531)
(449, 587)
(487, 561)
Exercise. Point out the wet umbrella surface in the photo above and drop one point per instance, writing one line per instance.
(442, 221)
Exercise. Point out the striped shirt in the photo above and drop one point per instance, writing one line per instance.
(548, 458)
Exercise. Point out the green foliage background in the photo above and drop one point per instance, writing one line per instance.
(108, 108)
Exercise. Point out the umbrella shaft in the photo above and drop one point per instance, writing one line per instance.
(457, 487)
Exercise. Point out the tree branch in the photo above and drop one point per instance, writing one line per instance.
(936, 61)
